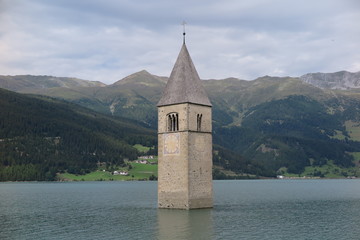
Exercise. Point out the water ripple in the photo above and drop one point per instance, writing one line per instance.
(271, 209)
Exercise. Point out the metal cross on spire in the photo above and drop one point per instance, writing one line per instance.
(184, 33)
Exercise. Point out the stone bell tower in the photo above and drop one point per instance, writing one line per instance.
(184, 140)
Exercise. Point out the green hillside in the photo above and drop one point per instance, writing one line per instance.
(40, 136)
(259, 126)
(294, 133)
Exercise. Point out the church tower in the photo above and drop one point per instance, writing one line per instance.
(184, 140)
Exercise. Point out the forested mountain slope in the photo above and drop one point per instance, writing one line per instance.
(40, 136)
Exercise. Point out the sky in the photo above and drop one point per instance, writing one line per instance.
(108, 40)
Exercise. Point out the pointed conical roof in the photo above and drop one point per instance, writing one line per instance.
(184, 84)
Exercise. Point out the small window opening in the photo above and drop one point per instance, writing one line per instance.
(199, 117)
(173, 122)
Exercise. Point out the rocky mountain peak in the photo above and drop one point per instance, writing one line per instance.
(338, 80)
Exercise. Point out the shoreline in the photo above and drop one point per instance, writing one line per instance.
(139, 180)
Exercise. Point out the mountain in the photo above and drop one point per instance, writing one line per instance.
(40, 136)
(259, 126)
(133, 97)
(293, 132)
(25, 83)
(231, 98)
(136, 96)
(339, 80)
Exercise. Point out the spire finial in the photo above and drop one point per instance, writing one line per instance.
(184, 33)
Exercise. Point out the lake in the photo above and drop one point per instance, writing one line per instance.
(246, 209)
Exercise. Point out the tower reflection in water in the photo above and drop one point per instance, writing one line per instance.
(180, 224)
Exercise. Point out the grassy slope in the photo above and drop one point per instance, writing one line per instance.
(141, 148)
(329, 170)
(353, 129)
(138, 172)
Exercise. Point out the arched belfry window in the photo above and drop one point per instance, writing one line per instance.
(199, 117)
(173, 122)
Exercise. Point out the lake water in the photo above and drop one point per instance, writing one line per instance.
(256, 209)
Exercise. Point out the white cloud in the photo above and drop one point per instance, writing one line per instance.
(107, 40)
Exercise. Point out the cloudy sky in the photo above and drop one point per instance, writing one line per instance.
(107, 40)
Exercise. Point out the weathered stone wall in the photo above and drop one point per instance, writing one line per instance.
(187, 117)
(173, 183)
(200, 170)
(193, 111)
(185, 158)
(181, 109)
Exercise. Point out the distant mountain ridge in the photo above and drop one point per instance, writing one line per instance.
(29, 83)
(136, 95)
(24, 83)
(338, 80)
